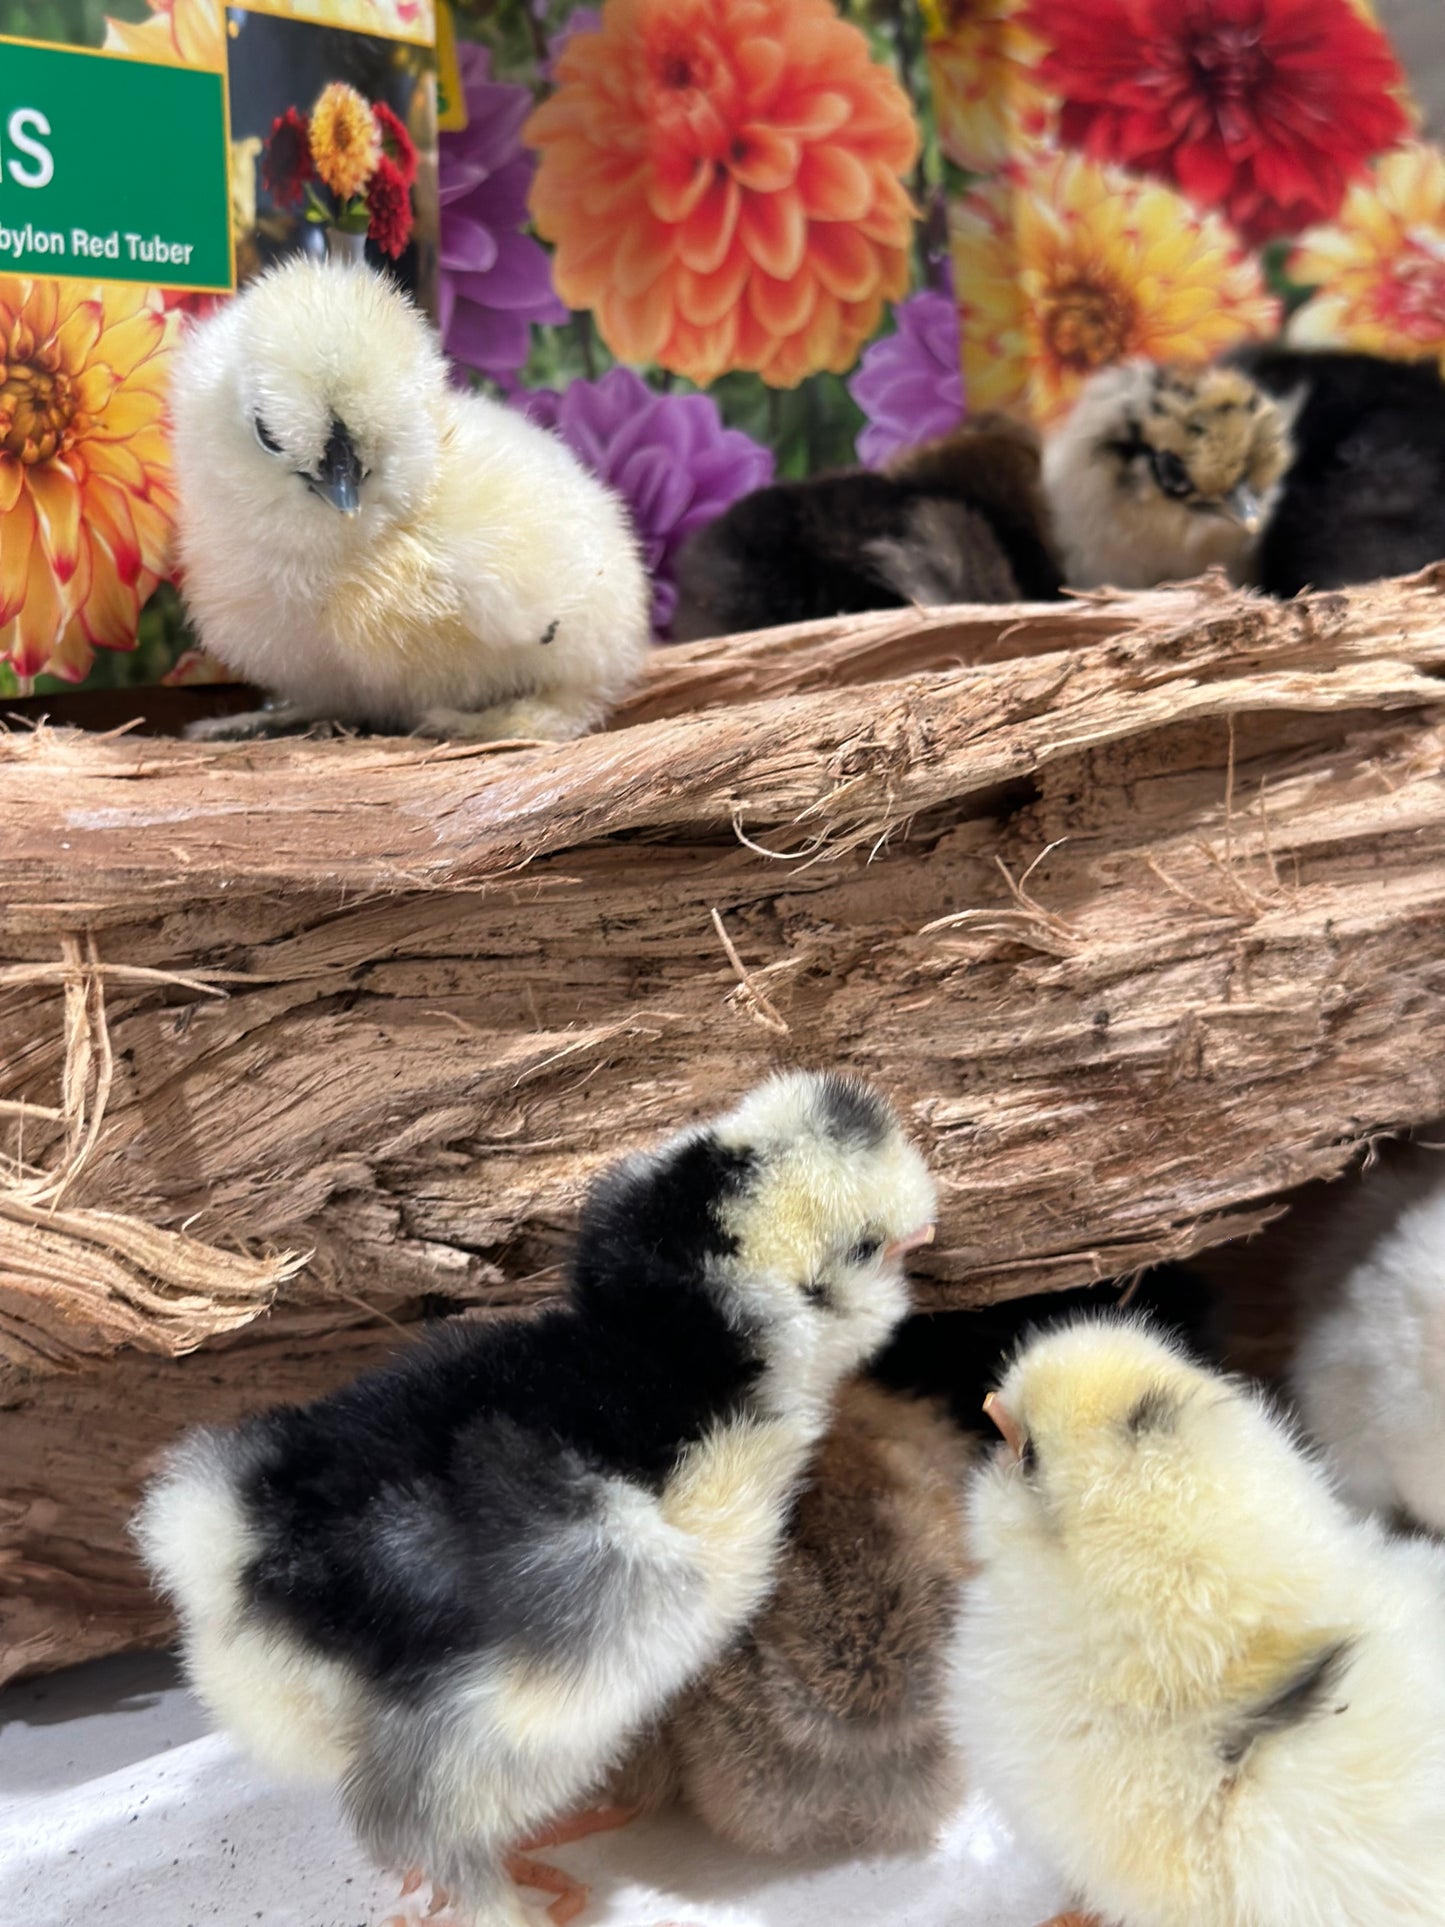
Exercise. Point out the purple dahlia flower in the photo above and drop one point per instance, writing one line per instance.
(910, 384)
(668, 456)
(496, 280)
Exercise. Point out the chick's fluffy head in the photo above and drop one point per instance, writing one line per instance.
(1206, 439)
(1160, 1493)
(836, 1197)
(313, 356)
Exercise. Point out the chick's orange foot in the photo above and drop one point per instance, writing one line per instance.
(570, 1895)
(437, 1908)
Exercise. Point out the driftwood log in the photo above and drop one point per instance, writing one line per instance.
(1135, 905)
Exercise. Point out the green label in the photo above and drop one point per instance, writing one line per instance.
(112, 169)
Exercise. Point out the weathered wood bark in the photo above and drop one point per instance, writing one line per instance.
(1138, 915)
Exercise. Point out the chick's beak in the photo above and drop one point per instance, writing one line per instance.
(1243, 506)
(900, 1247)
(995, 1409)
(341, 475)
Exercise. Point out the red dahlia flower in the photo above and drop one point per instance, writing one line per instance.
(1268, 109)
(388, 203)
(396, 143)
(286, 159)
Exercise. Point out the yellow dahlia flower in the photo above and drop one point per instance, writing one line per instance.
(988, 104)
(85, 481)
(179, 33)
(1063, 265)
(1380, 265)
(345, 140)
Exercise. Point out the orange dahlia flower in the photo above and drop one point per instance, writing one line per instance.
(179, 33)
(987, 101)
(85, 482)
(723, 182)
(1380, 267)
(345, 140)
(1064, 265)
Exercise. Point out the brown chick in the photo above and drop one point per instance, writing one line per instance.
(821, 1729)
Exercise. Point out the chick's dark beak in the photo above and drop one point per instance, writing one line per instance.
(1243, 506)
(341, 474)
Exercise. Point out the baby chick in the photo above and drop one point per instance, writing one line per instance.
(457, 1588)
(1369, 1374)
(1365, 497)
(823, 1727)
(1214, 1694)
(377, 547)
(1159, 473)
(961, 519)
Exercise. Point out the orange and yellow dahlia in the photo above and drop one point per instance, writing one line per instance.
(1064, 265)
(1380, 266)
(988, 103)
(723, 182)
(191, 33)
(179, 33)
(85, 481)
(345, 140)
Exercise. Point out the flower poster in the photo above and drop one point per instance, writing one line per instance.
(705, 240)
(1171, 177)
(153, 154)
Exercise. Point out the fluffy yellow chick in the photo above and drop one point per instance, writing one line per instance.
(375, 546)
(1185, 1668)
(1160, 473)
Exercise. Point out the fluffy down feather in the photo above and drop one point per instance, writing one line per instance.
(823, 1728)
(1216, 1696)
(1160, 473)
(460, 1586)
(376, 547)
(1365, 496)
(961, 519)
(1369, 1374)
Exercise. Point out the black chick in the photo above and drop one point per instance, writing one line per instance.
(961, 519)
(1365, 495)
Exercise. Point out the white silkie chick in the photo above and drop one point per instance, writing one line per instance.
(1160, 473)
(376, 547)
(458, 1588)
(1186, 1669)
(1369, 1372)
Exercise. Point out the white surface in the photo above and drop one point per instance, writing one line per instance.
(117, 1806)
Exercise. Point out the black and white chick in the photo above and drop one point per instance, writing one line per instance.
(458, 1588)
(1368, 1374)
(1159, 473)
(960, 519)
(373, 545)
(1365, 496)
(1186, 1669)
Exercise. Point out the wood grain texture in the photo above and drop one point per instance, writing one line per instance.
(1134, 906)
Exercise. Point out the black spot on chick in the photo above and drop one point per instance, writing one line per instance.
(1157, 1411)
(853, 1115)
(1304, 1697)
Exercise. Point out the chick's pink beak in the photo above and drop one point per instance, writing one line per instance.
(900, 1247)
(995, 1409)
